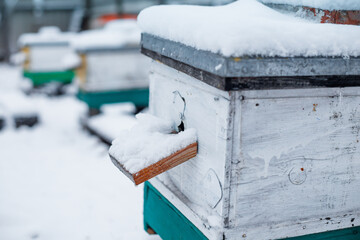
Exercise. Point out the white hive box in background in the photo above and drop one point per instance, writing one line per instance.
(45, 51)
(111, 58)
(112, 70)
(277, 124)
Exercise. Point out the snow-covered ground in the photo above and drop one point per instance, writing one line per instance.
(57, 181)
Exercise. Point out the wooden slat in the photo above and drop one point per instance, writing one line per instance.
(159, 167)
(26, 63)
(81, 70)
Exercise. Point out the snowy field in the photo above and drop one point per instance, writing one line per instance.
(57, 181)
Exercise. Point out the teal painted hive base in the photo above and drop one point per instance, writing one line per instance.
(40, 78)
(140, 97)
(162, 217)
(166, 220)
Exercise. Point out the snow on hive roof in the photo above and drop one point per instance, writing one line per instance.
(247, 27)
(322, 4)
(115, 34)
(46, 35)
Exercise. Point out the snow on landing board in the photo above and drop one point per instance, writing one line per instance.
(150, 148)
(248, 27)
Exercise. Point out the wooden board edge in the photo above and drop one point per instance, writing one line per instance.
(159, 167)
(122, 169)
(167, 163)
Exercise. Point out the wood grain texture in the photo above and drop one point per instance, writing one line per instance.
(298, 169)
(159, 167)
(26, 63)
(200, 182)
(81, 70)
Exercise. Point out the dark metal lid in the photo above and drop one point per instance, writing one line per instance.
(253, 72)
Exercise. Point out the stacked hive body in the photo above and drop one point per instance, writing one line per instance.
(112, 69)
(44, 54)
(339, 12)
(278, 141)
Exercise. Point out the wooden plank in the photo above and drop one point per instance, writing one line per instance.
(190, 181)
(161, 166)
(297, 153)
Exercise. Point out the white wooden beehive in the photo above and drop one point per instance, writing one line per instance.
(45, 51)
(274, 161)
(99, 73)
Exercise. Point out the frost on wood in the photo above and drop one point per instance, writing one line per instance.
(323, 4)
(149, 142)
(115, 34)
(248, 27)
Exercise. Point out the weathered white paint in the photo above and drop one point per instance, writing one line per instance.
(299, 162)
(48, 58)
(130, 71)
(187, 181)
(287, 161)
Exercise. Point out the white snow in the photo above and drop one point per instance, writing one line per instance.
(17, 104)
(247, 27)
(71, 61)
(118, 108)
(322, 4)
(45, 35)
(148, 142)
(57, 181)
(13, 102)
(115, 34)
(113, 119)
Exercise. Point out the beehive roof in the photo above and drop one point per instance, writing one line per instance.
(249, 28)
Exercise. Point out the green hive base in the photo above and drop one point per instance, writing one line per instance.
(40, 78)
(167, 221)
(140, 97)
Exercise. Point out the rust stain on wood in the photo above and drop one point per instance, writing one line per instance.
(336, 16)
(314, 107)
(161, 166)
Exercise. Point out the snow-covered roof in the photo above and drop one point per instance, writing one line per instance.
(322, 4)
(50, 35)
(115, 34)
(248, 27)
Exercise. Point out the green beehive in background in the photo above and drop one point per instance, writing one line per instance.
(111, 69)
(45, 55)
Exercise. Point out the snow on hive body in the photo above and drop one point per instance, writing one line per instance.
(248, 27)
